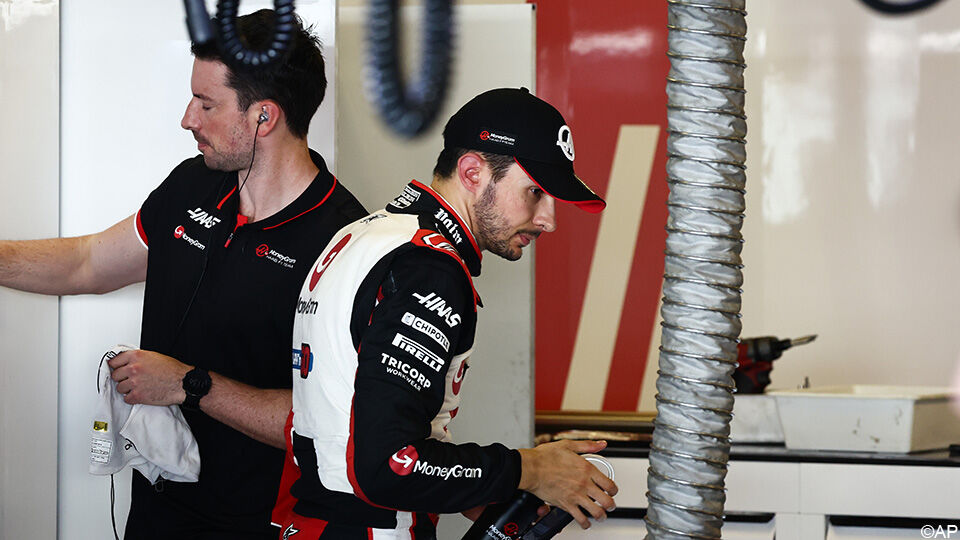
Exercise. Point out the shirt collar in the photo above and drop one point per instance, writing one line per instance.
(317, 193)
(419, 199)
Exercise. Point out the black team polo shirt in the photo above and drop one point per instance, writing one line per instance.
(221, 294)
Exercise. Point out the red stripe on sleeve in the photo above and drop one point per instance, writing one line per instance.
(140, 231)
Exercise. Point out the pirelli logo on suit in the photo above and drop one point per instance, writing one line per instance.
(418, 351)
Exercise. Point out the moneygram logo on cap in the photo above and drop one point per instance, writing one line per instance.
(513, 122)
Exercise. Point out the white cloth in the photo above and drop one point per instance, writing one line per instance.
(154, 440)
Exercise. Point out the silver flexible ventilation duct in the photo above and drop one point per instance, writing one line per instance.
(702, 278)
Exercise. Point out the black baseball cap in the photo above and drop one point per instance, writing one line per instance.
(514, 122)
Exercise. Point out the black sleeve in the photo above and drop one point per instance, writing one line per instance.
(158, 203)
(425, 319)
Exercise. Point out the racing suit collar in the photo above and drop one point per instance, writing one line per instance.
(419, 199)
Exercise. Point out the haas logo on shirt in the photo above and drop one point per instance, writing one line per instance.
(203, 218)
(403, 461)
(438, 305)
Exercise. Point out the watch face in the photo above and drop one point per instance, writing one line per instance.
(197, 382)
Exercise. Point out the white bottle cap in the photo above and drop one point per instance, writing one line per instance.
(600, 463)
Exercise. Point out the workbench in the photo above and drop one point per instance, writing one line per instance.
(806, 495)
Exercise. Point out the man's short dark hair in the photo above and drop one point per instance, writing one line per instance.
(297, 83)
(448, 158)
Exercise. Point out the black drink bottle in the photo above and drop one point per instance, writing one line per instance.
(514, 519)
(508, 520)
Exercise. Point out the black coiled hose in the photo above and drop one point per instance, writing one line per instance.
(409, 111)
(201, 30)
(898, 8)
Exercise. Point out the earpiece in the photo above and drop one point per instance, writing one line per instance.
(263, 116)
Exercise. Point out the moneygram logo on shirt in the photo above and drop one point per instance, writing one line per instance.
(403, 461)
(181, 234)
(446, 473)
(406, 461)
(272, 255)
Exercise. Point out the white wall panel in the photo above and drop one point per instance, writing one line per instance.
(749, 488)
(633, 529)
(853, 204)
(125, 84)
(29, 168)
(875, 490)
(495, 47)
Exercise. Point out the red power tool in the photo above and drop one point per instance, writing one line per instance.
(756, 356)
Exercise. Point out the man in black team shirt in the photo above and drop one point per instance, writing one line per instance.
(378, 371)
(224, 244)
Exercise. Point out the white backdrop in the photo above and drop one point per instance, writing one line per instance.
(125, 84)
(853, 203)
(29, 87)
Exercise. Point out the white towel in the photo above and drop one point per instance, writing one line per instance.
(154, 440)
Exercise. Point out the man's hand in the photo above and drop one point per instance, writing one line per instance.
(560, 477)
(149, 377)
(152, 378)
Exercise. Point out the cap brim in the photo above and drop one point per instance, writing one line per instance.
(562, 184)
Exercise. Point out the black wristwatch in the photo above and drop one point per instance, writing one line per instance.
(196, 384)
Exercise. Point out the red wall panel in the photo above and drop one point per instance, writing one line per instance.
(603, 64)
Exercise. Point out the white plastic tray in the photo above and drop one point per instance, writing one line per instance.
(755, 419)
(869, 418)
